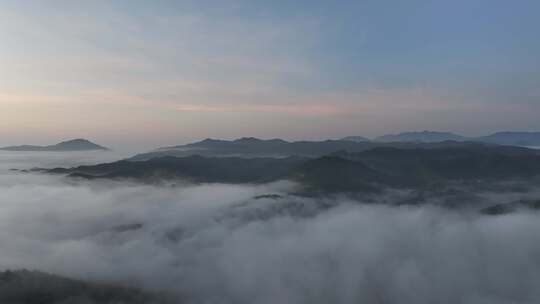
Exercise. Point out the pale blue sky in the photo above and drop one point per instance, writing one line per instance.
(145, 73)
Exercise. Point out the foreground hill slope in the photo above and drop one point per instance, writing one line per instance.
(32, 287)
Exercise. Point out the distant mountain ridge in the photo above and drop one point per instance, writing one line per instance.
(424, 136)
(356, 138)
(512, 138)
(252, 147)
(412, 167)
(66, 146)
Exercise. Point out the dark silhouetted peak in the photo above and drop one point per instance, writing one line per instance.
(78, 144)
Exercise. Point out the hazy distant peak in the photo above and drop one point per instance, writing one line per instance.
(512, 138)
(248, 139)
(206, 140)
(210, 142)
(356, 138)
(76, 141)
(78, 144)
(258, 140)
(516, 133)
(423, 136)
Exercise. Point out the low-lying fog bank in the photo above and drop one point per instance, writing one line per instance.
(237, 244)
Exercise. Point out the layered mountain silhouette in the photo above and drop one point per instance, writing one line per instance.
(500, 138)
(512, 138)
(253, 147)
(70, 145)
(194, 168)
(424, 136)
(412, 166)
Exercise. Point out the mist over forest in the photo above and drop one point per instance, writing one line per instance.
(269, 152)
(225, 243)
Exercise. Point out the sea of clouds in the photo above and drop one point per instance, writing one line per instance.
(217, 244)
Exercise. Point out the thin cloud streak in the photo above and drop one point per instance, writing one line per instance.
(299, 110)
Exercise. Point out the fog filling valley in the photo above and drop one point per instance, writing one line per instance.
(238, 244)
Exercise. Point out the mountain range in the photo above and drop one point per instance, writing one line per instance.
(254, 147)
(65, 146)
(501, 138)
(415, 166)
(512, 138)
(424, 136)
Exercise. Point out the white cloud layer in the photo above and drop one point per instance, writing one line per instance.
(202, 243)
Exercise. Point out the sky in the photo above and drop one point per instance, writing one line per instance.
(143, 74)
